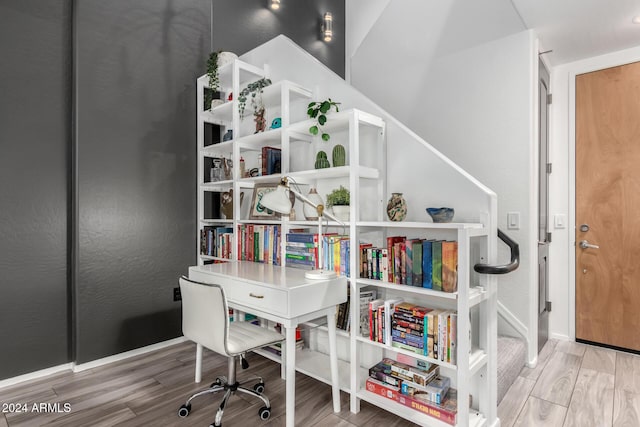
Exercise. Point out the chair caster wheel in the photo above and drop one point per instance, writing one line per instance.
(264, 413)
(184, 411)
(259, 388)
(218, 381)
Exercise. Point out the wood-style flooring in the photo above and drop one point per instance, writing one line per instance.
(147, 390)
(572, 385)
(575, 385)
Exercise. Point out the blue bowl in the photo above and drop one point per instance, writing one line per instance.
(441, 214)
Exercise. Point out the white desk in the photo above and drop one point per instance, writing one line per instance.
(282, 295)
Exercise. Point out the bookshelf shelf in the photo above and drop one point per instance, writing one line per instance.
(476, 419)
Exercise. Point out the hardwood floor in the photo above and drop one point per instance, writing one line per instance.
(148, 390)
(573, 385)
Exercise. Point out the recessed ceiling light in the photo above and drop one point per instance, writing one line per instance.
(636, 19)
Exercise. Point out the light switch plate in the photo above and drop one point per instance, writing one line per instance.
(559, 220)
(513, 220)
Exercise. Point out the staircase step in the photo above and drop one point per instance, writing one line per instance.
(512, 356)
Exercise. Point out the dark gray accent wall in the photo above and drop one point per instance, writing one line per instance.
(241, 25)
(136, 66)
(98, 207)
(35, 111)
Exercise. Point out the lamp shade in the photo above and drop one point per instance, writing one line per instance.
(277, 200)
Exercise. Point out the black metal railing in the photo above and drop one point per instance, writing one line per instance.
(505, 268)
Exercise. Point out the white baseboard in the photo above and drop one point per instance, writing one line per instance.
(560, 337)
(127, 354)
(89, 365)
(35, 375)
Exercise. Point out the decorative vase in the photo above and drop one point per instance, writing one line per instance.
(397, 207)
(309, 211)
(342, 212)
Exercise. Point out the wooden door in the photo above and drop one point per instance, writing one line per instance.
(608, 206)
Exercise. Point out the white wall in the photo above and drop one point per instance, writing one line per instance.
(562, 185)
(483, 121)
(471, 92)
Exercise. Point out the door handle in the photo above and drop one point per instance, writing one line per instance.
(585, 244)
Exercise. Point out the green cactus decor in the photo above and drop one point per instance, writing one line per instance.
(322, 161)
(338, 156)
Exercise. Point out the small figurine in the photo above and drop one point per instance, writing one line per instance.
(276, 123)
(261, 122)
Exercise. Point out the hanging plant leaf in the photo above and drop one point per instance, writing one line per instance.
(318, 110)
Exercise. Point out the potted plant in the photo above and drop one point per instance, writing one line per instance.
(318, 110)
(254, 91)
(338, 200)
(214, 62)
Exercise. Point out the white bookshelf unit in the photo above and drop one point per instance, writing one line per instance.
(364, 137)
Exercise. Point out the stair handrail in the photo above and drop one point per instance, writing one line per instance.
(504, 268)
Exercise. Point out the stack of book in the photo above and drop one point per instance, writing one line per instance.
(431, 264)
(420, 388)
(408, 328)
(302, 250)
(277, 348)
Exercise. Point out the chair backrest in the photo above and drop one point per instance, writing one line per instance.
(205, 316)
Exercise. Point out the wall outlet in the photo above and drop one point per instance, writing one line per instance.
(177, 296)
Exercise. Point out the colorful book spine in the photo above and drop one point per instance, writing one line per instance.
(427, 272)
(450, 266)
(436, 258)
(417, 263)
(408, 267)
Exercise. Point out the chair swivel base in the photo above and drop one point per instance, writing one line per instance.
(221, 384)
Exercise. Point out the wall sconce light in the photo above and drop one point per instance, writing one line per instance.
(274, 4)
(327, 27)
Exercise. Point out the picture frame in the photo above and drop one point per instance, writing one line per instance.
(257, 210)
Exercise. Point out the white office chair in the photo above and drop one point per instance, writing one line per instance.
(205, 320)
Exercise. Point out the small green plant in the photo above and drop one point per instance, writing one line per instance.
(338, 197)
(212, 71)
(253, 90)
(214, 79)
(318, 110)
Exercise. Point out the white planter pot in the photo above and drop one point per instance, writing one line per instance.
(341, 212)
(225, 58)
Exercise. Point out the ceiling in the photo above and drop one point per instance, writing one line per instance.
(578, 29)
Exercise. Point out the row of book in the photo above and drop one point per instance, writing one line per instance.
(431, 264)
(421, 330)
(416, 384)
(259, 243)
(216, 241)
(302, 251)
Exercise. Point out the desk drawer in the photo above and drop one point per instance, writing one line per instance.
(261, 297)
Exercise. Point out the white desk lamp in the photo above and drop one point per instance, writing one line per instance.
(279, 201)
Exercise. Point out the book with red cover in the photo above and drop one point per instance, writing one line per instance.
(446, 412)
(391, 241)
